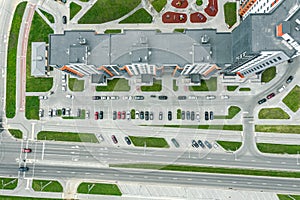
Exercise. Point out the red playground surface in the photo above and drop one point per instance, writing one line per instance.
(212, 8)
(197, 18)
(173, 17)
(180, 3)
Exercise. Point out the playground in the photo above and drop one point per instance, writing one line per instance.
(197, 17)
(212, 8)
(174, 17)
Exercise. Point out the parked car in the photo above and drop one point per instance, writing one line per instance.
(183, 115)
(127, 140)
(210, 97)
(137, 114)
(100, 137)
(142, 115)
(114, 115)
(206, 115)
(201, 144)
(128, 115)
(63, 111)
(114, 139)
(64, 19)
(68, 111)
(139, 97)
(96, 97)
(188, 115)
(64, 87)
(64, 78)
(169, 115)
(41, 112)
(198, 116)
(224, 97)
(162, 97)
(153, 96)
(23, 169)
(181, 97)
(174, 141)
(103, 98)
(160, 116)
(43, 97)
(194, 144)
(96, 115)
(26, 150)
(119, 115)
(271, 95)
(123, 115)
(289, 80)
(211, 115)
(87, 114)
(101, 114)
(192, 115)
(208, 144)
(262, 101)
(192, 97)
(54, 112)
(281, 88)
(151, 116)
(127, 97)
(70, 96)
(147, 115)
(114, 97)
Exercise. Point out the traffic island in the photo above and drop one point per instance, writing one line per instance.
(278, 148)
(46, 186)
(67, 136)
(292, 99)
(99, 188)
(229, 146)
(16, 133)
(8, 183)
(149, 142)
(272, 113)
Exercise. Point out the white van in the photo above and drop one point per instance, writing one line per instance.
(281, 88)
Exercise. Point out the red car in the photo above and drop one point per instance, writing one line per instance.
(123, 115)
(270, 95)
(119, 115)
(114, 139)
(26, 150)
(96, 115)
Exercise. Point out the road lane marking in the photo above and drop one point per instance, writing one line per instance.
(189, 179)
(264, 183)
(73, 172)
(102, 174)
(58, 172)
(87, 173)
(43, 151)
(283, 162)
(44, 171)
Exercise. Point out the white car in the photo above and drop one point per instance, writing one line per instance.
(41, 112)
(198, 116)
(87, 114)
(68, 111)
(193, 97)
(128, 115)
(224, 97)
(70, 96)
(43, 97)
(281, 88)
(64, 78)
(54, 112)
(104, 98)
(210, 97)
(137, 114)
(64, 87)
(114, 97)
(127, 97)
(100, 137)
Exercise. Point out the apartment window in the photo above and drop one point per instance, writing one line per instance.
(271, 61)
(278, 58)
(267, 63)
(264, 64)
(275, 60)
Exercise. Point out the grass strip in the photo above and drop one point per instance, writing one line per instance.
(99, 188)
(234, 127)
(251, 172)
(8, 183)
(288, 197)
(46, 186)
(206, 85)
(76, 85)
(108, 10)
(12, 60)
(158, 5)
(272, 113)
(292, 99)
(232, 88)
(32, 107)
(48, 16)
(230, 13)
(268, 74)
(116, 84)
(112, 31)
(149, 142)
(232, 112)
(179, 30)
(156, 87)
(140, 16)
(175, 87)
(230, 146)
(2, 197)
(278, 148)
(67, 136)
(16, 133)
(245, 89)
(74, 9)
(278, 128)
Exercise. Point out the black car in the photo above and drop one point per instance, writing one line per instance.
(127, 140)
(142, 115)
(192, 115)
(153, 96)
(162, 97)
(188, 115)
(64, 19)
(139, 97)
(181, 97)
(211, 115)
(208, 144)
(114, 115)
(96, 98)
(201, 144)
(206, 115)
(262, 101)
(175, 142)
(101, 115)
(23, 169)
(182, 115)
(289, 80)
(195, 144)
(63, 111)
(147, 115)
(169, 115)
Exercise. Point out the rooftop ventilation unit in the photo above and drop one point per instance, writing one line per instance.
(82, 41)
(204, 39)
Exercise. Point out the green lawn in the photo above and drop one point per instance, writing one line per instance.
(221, 170)
(230, 146)
(292, 99)
(11, 60)
(232, 112)
(108, 10)
(272, 113)
(23, 198)
(76, 85)
(16, 133)
(116, 84)
(74, 9)
(112, 31)
(82, 115)
(67, 136)
(178, 114)
(48, 16)
(46, 186)
(278, 148)
(206, 85)
(139, 16)
(175, 87)
(39, 32)
(99, 188)
(158, 4)
(199, 2)
(180, 30)
(32, 107)
(149, 141)
(278, 128)
(232, 88)
(245, 89)
(156, 87)
(8, 183)
(268, 74)
(213, 127)
(288, 197)
(230, 13)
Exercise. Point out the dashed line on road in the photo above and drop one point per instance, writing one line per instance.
(283, 162)
(58, 171)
